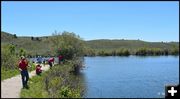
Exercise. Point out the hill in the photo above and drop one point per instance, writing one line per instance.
(42, 45)
(32, 45)
(129, 44)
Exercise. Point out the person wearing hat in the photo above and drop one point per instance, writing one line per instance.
(23, 64)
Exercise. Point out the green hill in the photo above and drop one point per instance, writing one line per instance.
(129, 44)
(42, 45)
(37, 45)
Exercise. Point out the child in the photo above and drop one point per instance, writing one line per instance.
(38, 69)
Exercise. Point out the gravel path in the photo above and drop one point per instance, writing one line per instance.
(11, 88)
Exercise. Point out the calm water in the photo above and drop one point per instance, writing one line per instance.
(127, 77)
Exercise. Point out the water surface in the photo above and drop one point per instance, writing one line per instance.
(127, 77)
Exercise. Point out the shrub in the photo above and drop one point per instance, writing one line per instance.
(15, 36)
(8, 57)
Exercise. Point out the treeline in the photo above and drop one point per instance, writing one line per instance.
(126, 52)
(157, 51)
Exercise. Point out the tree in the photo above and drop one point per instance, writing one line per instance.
(8, 56)
(37, 38)
(12, 49)
(22, 52)
(141, 51)
(15, 36)
(70, 44)
(32, 38)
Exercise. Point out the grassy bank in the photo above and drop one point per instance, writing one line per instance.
(36, 88)
(59, 82)
(8, 73)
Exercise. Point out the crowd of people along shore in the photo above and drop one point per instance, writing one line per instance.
(24, 64)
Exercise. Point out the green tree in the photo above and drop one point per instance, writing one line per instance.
(8, 56)
(22, 52)
(68, 44)
(15, 36)
(32, 38)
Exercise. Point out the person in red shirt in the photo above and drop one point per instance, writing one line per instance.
(23, 64)
(60, 59)
(38, 69)
(50, 61)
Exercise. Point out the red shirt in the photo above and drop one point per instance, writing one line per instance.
(23, 64)
(51, 60)
(60, 57)
(38, 68)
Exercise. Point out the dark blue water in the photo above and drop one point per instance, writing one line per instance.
(127, 77)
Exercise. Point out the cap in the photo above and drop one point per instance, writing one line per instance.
(22, 57)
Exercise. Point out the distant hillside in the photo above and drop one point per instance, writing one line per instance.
(35, 45)
(129, 44)
(42, 45)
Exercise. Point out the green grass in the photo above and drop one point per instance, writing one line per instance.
(59, 84)
(35, 90)
(8, 73)
(33, 66)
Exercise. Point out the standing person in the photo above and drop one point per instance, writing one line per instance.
(44, 61)
(50, 61)
(23, 64)
(60, 59)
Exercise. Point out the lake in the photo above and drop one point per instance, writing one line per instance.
(129, 77)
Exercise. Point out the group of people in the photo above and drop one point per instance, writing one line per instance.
(23, 65)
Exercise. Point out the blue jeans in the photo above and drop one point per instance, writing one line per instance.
(25, 77)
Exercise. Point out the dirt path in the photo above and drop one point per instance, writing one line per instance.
(11, 88)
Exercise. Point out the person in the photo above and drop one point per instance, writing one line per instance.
(23, 64)
(60, 59)
(39, 59)
(50, 62)
(38, 69)
(44, 61)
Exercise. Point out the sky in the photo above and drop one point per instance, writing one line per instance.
(132, 20)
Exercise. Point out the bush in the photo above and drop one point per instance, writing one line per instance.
(175, 51)
(61, 83)
(15, 36)
(9, 61)
(141, 51)
(32, 38)
(8, 57)
(70, 46)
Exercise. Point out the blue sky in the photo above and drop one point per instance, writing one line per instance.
(148, 21)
